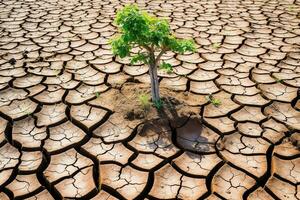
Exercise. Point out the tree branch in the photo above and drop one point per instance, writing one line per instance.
(159, 56)
(147, 48)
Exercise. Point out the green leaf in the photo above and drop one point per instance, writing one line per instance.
(166, 67)
(216, 45)
(216, 102)
(144, 101)
(140, 57)
(179, 45)
(158, 104)
(120, 47)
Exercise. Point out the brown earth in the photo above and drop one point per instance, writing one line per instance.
(72, 125)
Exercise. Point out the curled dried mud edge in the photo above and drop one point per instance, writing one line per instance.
(125, 98)
(175, 112)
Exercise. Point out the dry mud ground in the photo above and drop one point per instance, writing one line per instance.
(62, 134)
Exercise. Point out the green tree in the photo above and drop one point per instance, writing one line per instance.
(152, 37)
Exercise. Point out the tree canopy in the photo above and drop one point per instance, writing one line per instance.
(139, 29)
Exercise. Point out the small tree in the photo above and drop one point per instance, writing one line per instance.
(152, 37)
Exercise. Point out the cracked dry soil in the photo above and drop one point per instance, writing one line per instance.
(63, 137)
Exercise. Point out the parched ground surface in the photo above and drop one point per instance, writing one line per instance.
(62, 137)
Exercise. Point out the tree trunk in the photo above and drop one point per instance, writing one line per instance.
(154, 82)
